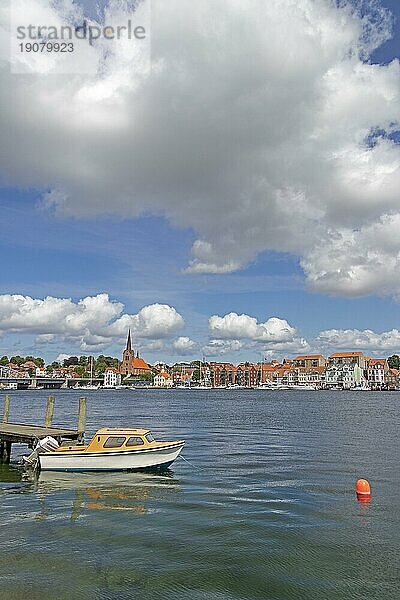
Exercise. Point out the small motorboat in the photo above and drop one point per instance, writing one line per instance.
(113, 449)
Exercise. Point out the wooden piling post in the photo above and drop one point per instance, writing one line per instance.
(5, 451)
(49, 411)
(6, 409)
(82, 417)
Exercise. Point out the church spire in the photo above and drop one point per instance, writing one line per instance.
(128, 341)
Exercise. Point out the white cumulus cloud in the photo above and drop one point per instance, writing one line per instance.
(261, 125)
(234, 326)
(184, 345)
(364, 340)
(220, 347)
(93, 322)
(274, 334)
(61, 357)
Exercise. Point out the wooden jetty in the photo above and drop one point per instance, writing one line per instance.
(25, 433)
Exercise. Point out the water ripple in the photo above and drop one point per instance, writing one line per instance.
(264, 507)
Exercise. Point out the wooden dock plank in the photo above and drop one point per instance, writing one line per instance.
(27, 433)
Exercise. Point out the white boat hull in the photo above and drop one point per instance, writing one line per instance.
(110, 461)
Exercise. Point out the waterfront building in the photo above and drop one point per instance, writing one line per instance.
(222, 374)
(347, 358)
(289, 375)
(271, 372)
(376, 371)
(312, 376)
(393, 379)
(5, 371)
(112, 377)
(163, 379)
(180, 378)
(133, 364)
(182, 373)
(248, 375)
(309, 360)
(340, 376)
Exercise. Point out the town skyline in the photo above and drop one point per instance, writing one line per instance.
(341, 370)
(131, 355)
(269, 229)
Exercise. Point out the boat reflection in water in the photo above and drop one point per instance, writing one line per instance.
(136, 493)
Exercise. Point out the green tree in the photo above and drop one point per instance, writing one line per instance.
(100, 365)
(394, 361)
(146, 377)
(17, 360)
(71, 361)
(39, 362)
(196, 375)
(103, 362)
(4, 361)
(80, 370)
(55, 365)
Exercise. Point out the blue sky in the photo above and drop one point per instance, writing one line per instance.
(141, 260)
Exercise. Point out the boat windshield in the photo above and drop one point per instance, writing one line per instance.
(135, 441)
(149, 437)
(114, 442)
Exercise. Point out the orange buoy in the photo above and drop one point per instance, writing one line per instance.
(363, 490)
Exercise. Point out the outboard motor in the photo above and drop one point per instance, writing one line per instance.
(47, 444)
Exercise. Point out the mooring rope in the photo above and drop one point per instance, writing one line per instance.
(190, 463)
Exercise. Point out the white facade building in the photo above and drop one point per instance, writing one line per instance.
(5, 372)
(340, 377)
(111, 378)
(163, 379)
(376, 373)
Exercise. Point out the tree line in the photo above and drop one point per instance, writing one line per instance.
(81, 364)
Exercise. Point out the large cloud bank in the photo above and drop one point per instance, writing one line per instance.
(93, 322)
(261, 125)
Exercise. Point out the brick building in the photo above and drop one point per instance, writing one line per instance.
(131, 364)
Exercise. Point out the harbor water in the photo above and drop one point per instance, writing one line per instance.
(261, 507)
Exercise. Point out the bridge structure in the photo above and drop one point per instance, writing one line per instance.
(48, 383)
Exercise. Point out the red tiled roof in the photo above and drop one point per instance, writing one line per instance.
(139, 363)
(165, 375)
(345, 354)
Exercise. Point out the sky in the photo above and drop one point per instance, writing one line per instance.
(229, 189)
